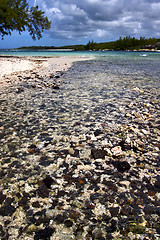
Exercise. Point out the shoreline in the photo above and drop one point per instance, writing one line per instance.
(12, 66)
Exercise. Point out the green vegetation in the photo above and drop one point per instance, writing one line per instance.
(70, 47)
(16, 15)
(127, 43)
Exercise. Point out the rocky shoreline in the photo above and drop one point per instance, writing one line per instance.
(12, 67)
(64, 178)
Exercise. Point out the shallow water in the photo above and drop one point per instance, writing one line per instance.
(55, 132)
(93, 91)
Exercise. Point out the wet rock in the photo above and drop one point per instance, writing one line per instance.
(68, 223)
(98, 153)
(122, 166)
(42, 220)
(2, 197)
(149, 209)
(33, 149)
(97, 234)
(3, 234)
(2, 174)
(114, 224)
(48, 181)
(59, 219)
(7, 210)
(45, 161)
(108, 236)
(43, 191)
(95, 196)
(125, 145)
(36, 204)
(73, 152)
(55, 86)
(157, 183)
(44, 234)
(98, 132)
(74, 215)
(114, 211)
(57, 76)
(23, 201)
(110, 184)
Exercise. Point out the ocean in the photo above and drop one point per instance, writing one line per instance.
(50, 53)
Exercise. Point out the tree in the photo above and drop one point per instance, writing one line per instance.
(16, 15)
(90, 45)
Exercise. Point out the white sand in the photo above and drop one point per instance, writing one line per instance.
(12, 67)
(9, 65)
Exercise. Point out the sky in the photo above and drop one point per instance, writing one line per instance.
(78, 21)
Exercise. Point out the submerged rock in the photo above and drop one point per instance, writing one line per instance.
(7, 209)
(43, 191)
(98, 153)
(44, 234)
(122, 166)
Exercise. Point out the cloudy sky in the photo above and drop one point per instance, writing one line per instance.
(78, 21)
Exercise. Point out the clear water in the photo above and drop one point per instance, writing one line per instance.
(50, 53)
(96, 90)
(100, 89)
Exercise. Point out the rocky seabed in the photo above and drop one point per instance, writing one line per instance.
(79, 155)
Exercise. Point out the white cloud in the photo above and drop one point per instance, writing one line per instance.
(101, 33)
(100, 19)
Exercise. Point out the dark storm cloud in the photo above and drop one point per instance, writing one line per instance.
(102, 19)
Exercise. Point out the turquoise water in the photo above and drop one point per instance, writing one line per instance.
(104, 54)
(46, 53)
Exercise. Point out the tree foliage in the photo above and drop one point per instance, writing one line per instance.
(16, 15)
(126, 43)
(90, 45)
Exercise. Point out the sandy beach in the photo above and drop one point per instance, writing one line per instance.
(12, 66)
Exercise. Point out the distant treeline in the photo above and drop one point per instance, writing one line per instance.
(126, 43)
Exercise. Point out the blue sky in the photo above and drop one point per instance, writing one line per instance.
(78, 21)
